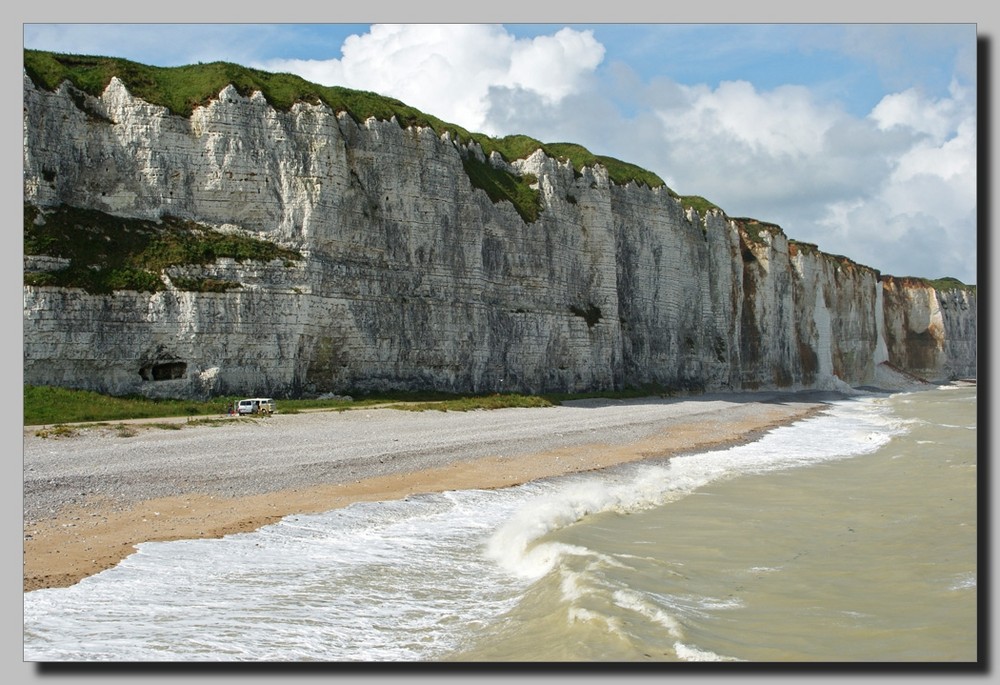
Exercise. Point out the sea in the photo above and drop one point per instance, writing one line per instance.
(849, 536)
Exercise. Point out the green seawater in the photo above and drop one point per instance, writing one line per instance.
(867, 558)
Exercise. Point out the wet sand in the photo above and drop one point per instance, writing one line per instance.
(90, 497)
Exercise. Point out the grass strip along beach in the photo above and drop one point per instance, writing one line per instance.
(93, 491)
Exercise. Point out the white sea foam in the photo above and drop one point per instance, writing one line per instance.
(375, 581)
(688, 653)
(848, 428)
(628, 599)
(610, 624)
(966, 581)
(570, 586)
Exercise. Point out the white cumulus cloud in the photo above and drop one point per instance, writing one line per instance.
(919, 218)
(450, 70)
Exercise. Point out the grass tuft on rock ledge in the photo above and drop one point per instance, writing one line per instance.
(108, 253)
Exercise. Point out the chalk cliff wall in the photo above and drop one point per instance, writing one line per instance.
(411, 278)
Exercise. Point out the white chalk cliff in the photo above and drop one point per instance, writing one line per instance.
(411, 278)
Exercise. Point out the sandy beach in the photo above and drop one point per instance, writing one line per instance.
(90, 497)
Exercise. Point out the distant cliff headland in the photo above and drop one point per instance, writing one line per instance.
(213, 229)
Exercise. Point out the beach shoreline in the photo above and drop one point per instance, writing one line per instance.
(91, 497)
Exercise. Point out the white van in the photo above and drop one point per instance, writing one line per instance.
(255, 405)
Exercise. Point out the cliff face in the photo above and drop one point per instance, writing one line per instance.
(412, 278)
(930, 332)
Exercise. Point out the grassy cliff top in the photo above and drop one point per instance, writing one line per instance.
(942, 284)
(182, 89)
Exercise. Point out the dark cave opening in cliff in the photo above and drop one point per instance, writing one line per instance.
(165, 371)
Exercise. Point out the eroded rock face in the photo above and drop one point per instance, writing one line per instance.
(413, 279)
(930, 332)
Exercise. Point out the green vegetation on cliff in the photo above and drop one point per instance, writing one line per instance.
(942, 284)
(182, 89)
(698, 204)
(753, 230)
(949, 283)
(502, 185)
(108, 253)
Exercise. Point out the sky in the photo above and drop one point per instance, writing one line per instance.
(860, 138)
